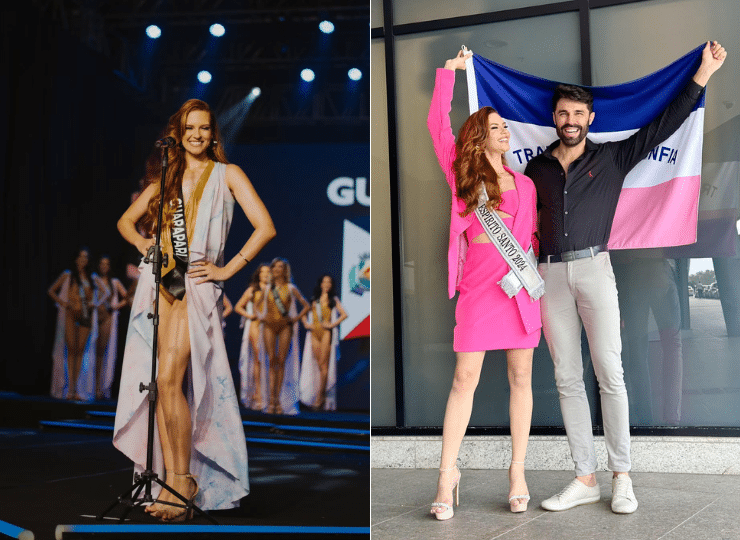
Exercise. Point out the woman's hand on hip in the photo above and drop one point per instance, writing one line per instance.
(205, 271)
(144, 244)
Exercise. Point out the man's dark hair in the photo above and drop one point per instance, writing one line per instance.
(573, 93)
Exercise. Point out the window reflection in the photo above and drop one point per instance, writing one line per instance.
(678, 320)
(680, 350)
(651, 336)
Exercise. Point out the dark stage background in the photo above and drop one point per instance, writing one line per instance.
(74, 140)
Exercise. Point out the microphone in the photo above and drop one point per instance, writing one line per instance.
(167, 142)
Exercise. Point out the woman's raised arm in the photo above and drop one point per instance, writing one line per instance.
(241, 306)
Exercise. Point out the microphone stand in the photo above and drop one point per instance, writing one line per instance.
(144, 480)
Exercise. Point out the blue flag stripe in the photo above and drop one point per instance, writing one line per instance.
(526, 98)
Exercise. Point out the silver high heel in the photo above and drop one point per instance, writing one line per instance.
(448, 512)
(521, 506)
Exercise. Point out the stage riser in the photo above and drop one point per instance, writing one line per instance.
(194, 532)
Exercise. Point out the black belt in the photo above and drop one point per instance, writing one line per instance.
(568, 256)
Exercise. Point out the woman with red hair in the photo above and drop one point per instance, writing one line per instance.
(201, 434)
(487, 317)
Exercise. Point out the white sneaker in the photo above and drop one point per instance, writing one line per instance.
(573, 494)
(623, 498)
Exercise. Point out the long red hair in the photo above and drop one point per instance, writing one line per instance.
(471, 165)
(176, 157)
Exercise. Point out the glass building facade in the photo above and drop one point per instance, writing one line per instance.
(680, 307)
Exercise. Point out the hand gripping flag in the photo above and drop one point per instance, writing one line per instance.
(658, 205)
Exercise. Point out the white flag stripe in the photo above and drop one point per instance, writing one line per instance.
(357, 306)
(528, 140)
(472, 88)
(661, 167)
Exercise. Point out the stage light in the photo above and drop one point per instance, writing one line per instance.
(153, 31)
(217, 30)
(354, 74)
(232, 119)
(327, 27)
(204, 77)
(308, 75)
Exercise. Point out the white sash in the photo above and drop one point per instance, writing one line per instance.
(523, 266)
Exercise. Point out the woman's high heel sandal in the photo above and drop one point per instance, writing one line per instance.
(183, 511)
(517, 503)
(448, 512)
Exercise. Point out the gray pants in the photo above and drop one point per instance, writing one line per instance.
(583, 293)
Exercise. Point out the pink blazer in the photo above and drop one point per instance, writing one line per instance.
(525, 221)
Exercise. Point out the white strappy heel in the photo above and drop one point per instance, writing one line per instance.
(522, 506)
(448, 512)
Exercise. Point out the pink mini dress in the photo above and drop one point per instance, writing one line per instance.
(487, 319)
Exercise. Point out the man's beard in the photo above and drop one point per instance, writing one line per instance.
(571, 141)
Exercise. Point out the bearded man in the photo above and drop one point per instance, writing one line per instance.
(578, 185)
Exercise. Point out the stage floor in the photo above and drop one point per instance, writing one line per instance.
(55, 477)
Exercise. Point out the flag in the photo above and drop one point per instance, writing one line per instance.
(658, 205)
(355, 282)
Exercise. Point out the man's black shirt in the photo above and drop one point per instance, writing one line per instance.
(577, 212)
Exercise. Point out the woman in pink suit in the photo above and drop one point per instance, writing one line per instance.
(487, 319)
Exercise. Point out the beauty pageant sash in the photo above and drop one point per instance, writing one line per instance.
(523, 265)
(174, 280)
(279, 302)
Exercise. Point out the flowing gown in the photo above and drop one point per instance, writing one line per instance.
(219, 452)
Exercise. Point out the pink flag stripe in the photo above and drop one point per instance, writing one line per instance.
(639, 225)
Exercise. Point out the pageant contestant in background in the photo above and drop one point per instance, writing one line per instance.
(87, 380)
(112, 297)
(281, 339)
(206, 441)
(321, 350)
(487, 317)
(73, 294)
(252, 355)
